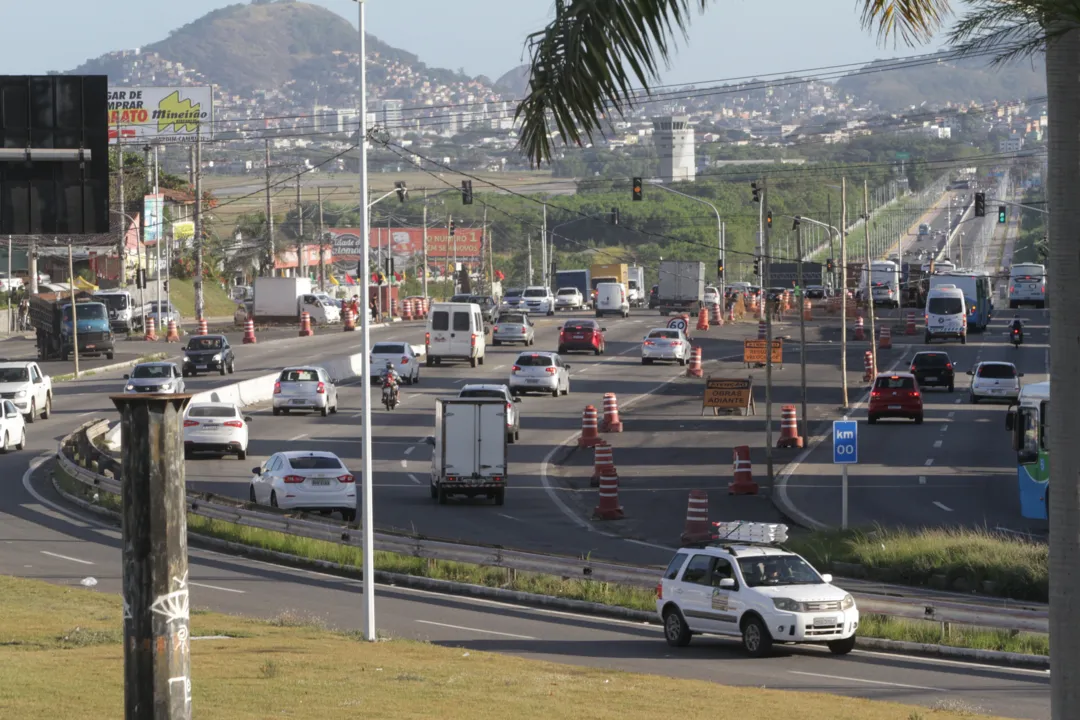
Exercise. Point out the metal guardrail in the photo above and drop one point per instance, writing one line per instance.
(80, 458)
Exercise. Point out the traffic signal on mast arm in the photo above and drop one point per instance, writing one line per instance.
(757, 266)
(453, 228)
(757, 192)
(615, 216)
(1002, 214)
(637, 190)
(401, 190)
(829, 264)
(980, 204)
(720, 268)
(768, 220)
(466, 192)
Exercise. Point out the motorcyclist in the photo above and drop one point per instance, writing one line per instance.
(1017, 327)
(391, 379)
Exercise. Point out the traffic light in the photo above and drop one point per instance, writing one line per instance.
(720, 268)
(388, 266)
(140, 279)
(980, 204)
(757, 192)
(614, 216)
(1002, 214)
(466, 192)
(757, 266)
(453, 228)
(637, 189)
(768, 220)
(401, 190)
(829, 264)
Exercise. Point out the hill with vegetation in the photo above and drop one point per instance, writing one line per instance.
(949, 80)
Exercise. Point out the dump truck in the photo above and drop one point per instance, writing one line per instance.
(51, 318)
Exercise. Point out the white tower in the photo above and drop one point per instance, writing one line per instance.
(674, 140)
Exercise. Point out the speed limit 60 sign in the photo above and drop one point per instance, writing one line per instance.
(678, 323)
(845, 438)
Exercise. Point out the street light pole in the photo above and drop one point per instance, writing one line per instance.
(720, 239)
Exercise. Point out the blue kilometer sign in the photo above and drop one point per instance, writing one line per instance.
(845, 435)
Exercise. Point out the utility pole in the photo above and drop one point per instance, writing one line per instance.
(200, 302)
(484, 241)
(805, 434)
(11, 289)
(121, 247)
(869, 274)
(449, 224)
(322, 243)
(529, 241)
(828, 206)
(766, 263)
(74, 318)
(843, 291)
(157, 625)
(271, 249)
(191, 163)
(424, 267)
(149, 230)
(301, 264)
(160, 236)
(491, 262)
(543, 254)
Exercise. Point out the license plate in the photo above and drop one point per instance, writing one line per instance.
(320, 481)
(894, 407)
(204, 366)
(578, 337)
(997, 391)
(533, 382)
(299, 402)
(91, 347)
(930, 378)
(824, 621)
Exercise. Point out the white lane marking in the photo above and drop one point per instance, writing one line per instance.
(415, 479)
(649, 544)
(937, 443)
(929, 462)
(957, 401)
(867, 682)
(458, 382)
(497, 368)
(65, 557)
(922, 479)
(944, 428)
(301, 436)
(404, 463)
(357, 416)
(215, 587)
(952, 413)
(408, 450)
(34, 465)
(469, 629)
(90, 412)
(944, 507)
(508, 517)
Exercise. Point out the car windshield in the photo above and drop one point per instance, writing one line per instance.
(997, 371)
(14, 374)
(534, 361)
(895, 382)
(315, 462)
(536, 292)
(388, 349)
(777, 570)
(945, 306)
(669, 334)
(931, 360)
(461, 298)
(204, 343)
(212, 411)
(86, 312)
(512, 319)
(512, 293)
(711, 291)
(151, 371)
(479, 393)
(114, 302)
(481, 301)
(304, 375)
(568, 291)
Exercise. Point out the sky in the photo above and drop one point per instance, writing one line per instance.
(734, 38)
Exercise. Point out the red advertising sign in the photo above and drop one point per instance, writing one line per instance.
(467, 242)
(287, 258)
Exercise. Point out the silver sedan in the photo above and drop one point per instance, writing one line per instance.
(665, 344)
(513, 327)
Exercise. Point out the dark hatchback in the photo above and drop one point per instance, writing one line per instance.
(933, 369)
(207, 353)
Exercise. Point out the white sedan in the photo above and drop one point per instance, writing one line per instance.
(995, 381)
(665, 344)
(402, 355)
(569, 298)
(712, 296)
(540, 372)
(303, 480)
(215, 427)
(12, 428)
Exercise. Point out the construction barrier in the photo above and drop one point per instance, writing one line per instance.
(761, 332)
(589, 436)
(789, 428)
(807, 311)
(697, 529)
(868, 366)
(203, 328)
(609, 508)
(348, 321)
(407, 309)
(703, 318)
(305, 325)
(860, 329)
(249, 332)
(171, 335)
(718, 314)
(150, 335)
(603, 461)
(885, 338)
(742, 482)
(694, 368)
(611, 423)
(911, 329)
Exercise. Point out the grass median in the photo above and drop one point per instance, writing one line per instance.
(61, 655)
(635, 598)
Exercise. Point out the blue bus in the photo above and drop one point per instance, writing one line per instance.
(977, 294)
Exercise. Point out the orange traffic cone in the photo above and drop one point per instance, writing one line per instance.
(807, 311)
(885, 338)
(868, 366)
(609, 508)
(611, 423)
(717, 315)
(305, 324)
(789, 429)
(171, 335)
(694, 369)
(703, 318)
(249, 332)
(697, 528)
(349, 323)
(150, 335)
(407, 314)
(203, 330)
(603, 460)
(860, 330)
(589, 436)
(742, 482)
(910, 330)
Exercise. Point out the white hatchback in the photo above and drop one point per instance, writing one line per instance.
(403, 357)
(215, 427)
(665, 344)
(303, 480)
(992, 381)
(712, 296)
(12, 428)
(540, 372)
(305, 388)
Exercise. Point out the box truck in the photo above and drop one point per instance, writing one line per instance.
(469, 443)
(682, 287)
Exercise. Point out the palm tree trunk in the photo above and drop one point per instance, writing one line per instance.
(1063, 189)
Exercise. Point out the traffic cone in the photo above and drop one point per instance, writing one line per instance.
(249, 332)
(305, 325)
(860, 330)
(609, 508)
(703, 318)
(697, 528)
(789, 429)
(694, 368)
(717, 315)
(731, 314)
(868, 366)
(589, 437)
(686, 323)
(393, 307)
(910, 330)
(885, 338)
(611, 422)
(807, 311)
(407, 306)
(150, 334)
(171, 335)
(349, 322)
(761, 330)
(203, 330)
(742, 482)
(603, 460)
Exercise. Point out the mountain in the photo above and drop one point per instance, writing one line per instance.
(515, 83)
(948, 80)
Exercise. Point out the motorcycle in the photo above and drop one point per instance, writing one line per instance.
(389, 393)
(1017, 337)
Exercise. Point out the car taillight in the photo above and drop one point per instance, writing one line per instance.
(914, 393)
(293, 479)
(522, 329)
(233, 423)
(509, 406)
(948, 366)
(649, 342)
(551, 370)
(277, 388)
(659, 591)
(1012, 288)
(404, 360)
(190, 423)
(472, 339)
(562, 331)
(427, 338)
(912, 368)
(676, 342)
(346, 478)
(516, 368)
(321, 389)
(495, 329)
(875, 393)
(1043, 289)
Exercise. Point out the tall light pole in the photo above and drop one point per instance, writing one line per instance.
(833, 231)
(365, 497)
(719, 227)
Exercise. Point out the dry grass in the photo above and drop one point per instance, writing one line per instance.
(302, 671)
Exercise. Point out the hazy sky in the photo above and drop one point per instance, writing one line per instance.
(734, 38)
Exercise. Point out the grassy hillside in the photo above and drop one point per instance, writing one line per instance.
(217, 301)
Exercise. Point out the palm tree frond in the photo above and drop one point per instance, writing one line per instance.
(585, 62)
(912, 21)
(1014, 28)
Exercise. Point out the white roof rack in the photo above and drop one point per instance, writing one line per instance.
(738, 531)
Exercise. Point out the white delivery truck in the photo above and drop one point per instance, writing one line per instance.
(682, 287)
(636, 285)
(469, 443)
(283, 299)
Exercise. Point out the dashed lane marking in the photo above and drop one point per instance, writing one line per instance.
(943, 506)
(66, 557)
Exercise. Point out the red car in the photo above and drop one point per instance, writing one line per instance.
(586, 335)
(895, 395)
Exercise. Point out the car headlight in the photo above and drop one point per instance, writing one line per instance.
(129, 387)
(847, 603)
(217, 358)
(21, 393)
(166, 387)
(787, 604)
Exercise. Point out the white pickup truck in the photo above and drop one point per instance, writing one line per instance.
(23, 383)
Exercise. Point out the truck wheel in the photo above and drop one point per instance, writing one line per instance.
(428, 361)
(32, 417)
(4, 448)
(500, 496)
(109, 356)
(48, 408)
(756, 638)
(434, 491)
(841, 647)
(472, 362)
(676, 631)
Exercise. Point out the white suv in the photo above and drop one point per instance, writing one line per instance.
(762, 594)
(539, 299)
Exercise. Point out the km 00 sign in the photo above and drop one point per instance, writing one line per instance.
(845, 435)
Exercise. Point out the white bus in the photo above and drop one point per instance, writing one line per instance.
(1027, 285)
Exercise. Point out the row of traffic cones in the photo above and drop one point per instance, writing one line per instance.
(172, 334)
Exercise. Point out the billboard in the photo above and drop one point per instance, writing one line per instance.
(184, 230)
(466, 244)
(160, 114)
(154, 206)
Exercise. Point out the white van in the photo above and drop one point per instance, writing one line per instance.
(945, 314)
(612, 298)
(455, 330)
(1027, 285)
(319, 307)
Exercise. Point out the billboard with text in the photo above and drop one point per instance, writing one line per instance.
(466, 244)
(160, 114)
